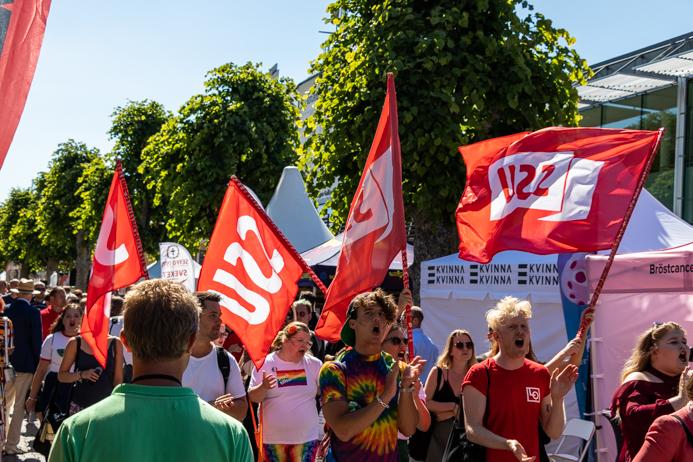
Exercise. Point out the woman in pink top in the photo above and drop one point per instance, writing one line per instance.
(670, 437)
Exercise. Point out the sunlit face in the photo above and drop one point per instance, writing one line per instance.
(513, 337)
(370, 323)
(395, 344)
(72, 321)
(670, 353)
(462, 348)
(210, 320)
(299, 343)
(59, 299)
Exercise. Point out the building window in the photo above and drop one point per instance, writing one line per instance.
(688, 158)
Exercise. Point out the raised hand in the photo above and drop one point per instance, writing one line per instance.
(412, 371)
(563, 381)
(268, 381)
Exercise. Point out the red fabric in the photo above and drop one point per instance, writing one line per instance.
(514, 408)
(557, 190)
(639, 403)
(19, 52)
(48, 317)
(254, 270)
(234, 340)
(118, 263)
(374, 231)
(666, 439)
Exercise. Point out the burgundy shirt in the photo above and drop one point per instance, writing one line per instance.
(639, 403)
(666, 441)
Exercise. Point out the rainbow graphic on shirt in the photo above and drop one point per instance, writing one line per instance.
(291, 378)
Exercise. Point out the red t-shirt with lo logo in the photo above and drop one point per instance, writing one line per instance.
(514, 406)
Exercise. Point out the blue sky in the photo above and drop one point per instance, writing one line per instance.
(99, 55)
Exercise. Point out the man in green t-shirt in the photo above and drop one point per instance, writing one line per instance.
(154, 417)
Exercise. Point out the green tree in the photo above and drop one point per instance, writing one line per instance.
(465, 71)
(18, 225)
(133, 125)
(58, 200)
(245, 124)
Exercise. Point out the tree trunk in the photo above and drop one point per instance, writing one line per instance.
(82, 263)
(431, 239)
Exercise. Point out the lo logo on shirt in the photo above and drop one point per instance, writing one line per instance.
(533, 394)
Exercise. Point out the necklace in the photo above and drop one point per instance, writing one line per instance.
(170, 378)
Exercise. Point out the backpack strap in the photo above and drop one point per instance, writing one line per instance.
(224, 364)
(685, 429)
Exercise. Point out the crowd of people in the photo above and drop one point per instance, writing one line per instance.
(178, 385)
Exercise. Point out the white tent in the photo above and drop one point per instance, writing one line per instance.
(327, 254)
(294, 213)
(456, 293)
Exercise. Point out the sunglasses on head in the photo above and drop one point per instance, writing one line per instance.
(461, 345)
(398, 341)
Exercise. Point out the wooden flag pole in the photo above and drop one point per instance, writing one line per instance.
(585, 324)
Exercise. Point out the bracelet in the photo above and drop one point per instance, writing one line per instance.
(408, 389)
(382, 403)
(31, 399)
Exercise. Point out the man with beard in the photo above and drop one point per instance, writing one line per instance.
(212, 372)
(367, 396)
(521, 393)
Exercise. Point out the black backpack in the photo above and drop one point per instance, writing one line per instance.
(224, 364)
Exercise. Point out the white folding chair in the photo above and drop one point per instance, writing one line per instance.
(575, 428)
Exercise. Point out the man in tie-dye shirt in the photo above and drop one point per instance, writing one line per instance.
(366, 394)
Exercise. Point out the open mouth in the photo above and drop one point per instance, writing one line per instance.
(376, 330)
(302, 351)
(683, 356)
(400, 355)
(520, 342)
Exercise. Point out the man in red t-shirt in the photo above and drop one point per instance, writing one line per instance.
(56, 304)
(521, 393)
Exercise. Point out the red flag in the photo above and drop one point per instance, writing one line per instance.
(254, 269)
(118, 262)
(557, 190)
(375, 227)
(22, 24)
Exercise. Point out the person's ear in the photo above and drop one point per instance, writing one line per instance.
(352, 323)
(191, 342)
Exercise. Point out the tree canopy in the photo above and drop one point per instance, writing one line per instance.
(465, 71)
(244, 124)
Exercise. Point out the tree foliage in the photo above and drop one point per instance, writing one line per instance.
(18, 225)
(465, 71)
(244, 124)
(133, 125)
(59, 198)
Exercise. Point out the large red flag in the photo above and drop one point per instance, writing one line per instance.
(556, 190)
(22, 24)
(254, 269)
(374, 231)
(118, 262)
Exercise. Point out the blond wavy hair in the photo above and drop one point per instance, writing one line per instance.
(641, 356)
(507, 308)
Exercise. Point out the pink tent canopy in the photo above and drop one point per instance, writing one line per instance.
(641, 288)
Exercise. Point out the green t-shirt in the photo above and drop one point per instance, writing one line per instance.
(140, 422)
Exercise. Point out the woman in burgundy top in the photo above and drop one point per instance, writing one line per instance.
(652, 384)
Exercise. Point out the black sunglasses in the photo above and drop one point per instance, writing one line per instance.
(398, 341)
(460, 345)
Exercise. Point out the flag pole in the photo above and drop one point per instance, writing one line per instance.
(268, 221)
(585, 323)
(394, 140)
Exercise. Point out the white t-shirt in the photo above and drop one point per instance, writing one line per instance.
(116, 326)
(289, 411)
(204, 377)
(53, 349)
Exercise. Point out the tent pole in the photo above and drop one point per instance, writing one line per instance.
(585, 323)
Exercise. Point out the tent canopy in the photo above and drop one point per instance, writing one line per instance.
(294, 213)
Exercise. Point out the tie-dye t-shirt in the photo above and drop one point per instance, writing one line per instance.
(358, 379)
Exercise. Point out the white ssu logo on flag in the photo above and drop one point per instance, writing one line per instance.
(551, 181)
(272, 284)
